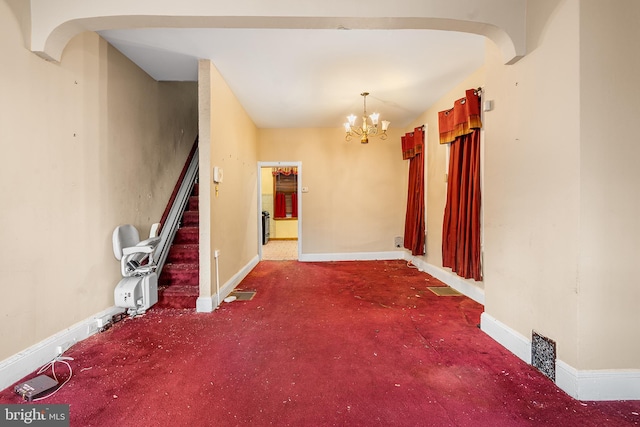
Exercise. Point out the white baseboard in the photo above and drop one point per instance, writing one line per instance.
(31, 359)
(352, 256)
(208, 304)
(506, 337)
(204, 304)
(587, 385)
(610, 384)
(458, 283)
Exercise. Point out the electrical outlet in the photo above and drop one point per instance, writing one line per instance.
(101, 322)
(60, 349)
(92, 328)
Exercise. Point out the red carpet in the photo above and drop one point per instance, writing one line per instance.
(320, 344)
(178, 285)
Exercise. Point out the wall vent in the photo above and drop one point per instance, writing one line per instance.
(543, 355)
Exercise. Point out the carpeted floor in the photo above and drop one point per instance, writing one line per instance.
(279, 250)
(320, 344)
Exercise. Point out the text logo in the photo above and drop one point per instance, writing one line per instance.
(34, 415)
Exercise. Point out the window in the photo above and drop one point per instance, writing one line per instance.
(285, 188)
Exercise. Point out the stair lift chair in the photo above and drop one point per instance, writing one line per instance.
(138, 289)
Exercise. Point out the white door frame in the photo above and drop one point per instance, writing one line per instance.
(297, 165)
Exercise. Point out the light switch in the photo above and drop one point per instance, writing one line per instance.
(217, 175)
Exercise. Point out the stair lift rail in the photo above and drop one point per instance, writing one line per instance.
(170, 227)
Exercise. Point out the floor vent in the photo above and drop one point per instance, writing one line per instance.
(243, 295)
(543, 355)
(444, 291)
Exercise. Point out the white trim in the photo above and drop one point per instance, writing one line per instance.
(206, 305)
(600, 385)
(352, 256)
(27, 361)
(506, 337)
(456, 282)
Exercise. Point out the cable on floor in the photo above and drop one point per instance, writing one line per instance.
(61, 359)
(411, 265)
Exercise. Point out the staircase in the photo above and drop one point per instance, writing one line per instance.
(179, 279)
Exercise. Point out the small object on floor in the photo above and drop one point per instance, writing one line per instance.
(230, 299)
(444, 291)
(35, 387)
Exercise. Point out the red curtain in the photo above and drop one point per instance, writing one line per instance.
(461, 225)
(414, 228)
(280, 208)
(294, 205)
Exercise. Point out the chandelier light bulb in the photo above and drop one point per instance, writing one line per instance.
(365, 130)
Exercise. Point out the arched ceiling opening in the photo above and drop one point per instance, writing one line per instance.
(294, 64)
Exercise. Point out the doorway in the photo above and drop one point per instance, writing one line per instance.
(280, 210)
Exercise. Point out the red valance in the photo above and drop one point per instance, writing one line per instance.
(284, 171)
(412, 143)
(461, 119)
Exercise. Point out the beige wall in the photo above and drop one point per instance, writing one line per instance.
(285, 229)
(608, 284)
(560, 197)
(531, 181)
(357, 193)
(230, 141)
(87, 144)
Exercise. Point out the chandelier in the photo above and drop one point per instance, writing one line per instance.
(365, 130)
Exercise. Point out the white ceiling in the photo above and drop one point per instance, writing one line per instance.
(293, 78)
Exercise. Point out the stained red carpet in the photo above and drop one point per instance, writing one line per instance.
(320, 344)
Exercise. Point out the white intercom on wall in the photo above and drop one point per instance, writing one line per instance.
(217, 174)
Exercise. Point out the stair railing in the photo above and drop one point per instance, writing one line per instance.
(172, 223)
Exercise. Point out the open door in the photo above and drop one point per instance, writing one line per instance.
(280, 210)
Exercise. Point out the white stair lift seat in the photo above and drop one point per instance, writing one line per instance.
(138, 289)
